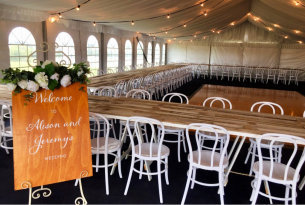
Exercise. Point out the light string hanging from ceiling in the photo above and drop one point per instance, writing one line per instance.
(168, 15)
(298, 3)
(215, 30)
(65, 11)
(187, 22)
(269, 25)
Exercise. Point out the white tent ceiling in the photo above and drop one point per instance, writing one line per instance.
(283, 17)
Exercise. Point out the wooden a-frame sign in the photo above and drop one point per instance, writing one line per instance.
(51, 136)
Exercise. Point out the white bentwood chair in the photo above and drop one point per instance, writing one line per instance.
(147, 150)
(273, 171)
(6, 126)
(180, 98)
(104, 145)
(209, 160)
(225, 104)
(257, 107)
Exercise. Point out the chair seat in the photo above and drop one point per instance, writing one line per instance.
(113, 145)
(205, 159)
(278, 170)
(145, 148)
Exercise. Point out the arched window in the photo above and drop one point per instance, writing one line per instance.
(21, 44)
(140, 55)
(163, 54)
(128, 55)
(112, 56)
(65, 44)
(157, 55)
(93, 55)
(149, 54)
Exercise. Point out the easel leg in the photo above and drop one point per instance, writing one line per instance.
(28, 185)
(46, 192)
(82, 198)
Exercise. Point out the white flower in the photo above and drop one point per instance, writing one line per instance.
(23, 84)
(66, 80)
(80, 72)
(32, 86)
(87, 64)
(55, 76)
(47, 62)
(11, 86)
(42, 80)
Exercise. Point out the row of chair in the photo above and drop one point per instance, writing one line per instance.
(250, 73)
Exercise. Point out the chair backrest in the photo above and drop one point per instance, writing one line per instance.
(106, 91)
(223, 101)
(6, 116)
(170, 96)
(138, 94)
(135, 123)
(96, 130)
(272, 105)
(294, 159)
(211, 131)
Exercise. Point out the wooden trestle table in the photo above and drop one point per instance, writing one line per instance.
(241, 124)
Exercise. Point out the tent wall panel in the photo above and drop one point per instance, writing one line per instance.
(267, 57)
(198, 54)
(226, 55)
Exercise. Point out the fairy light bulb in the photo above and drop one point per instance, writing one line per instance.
(94, 24)
(59, 15)
(78, 8)
(205, 13)
(232, 24)
(285, 37)
(300, 42)
(296, 3)
(201, 4)
(276, 25)
(132, 23)
(195, 36)
(297, 31)
(166, 32)
(184, 25)
(168, 16)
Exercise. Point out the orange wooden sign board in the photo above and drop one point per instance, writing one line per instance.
(51, 136)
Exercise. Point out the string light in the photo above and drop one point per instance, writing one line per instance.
(300, 42)
(94, 24)
(276, 25)
(285, 37)
(195, 36)
(213, 31)
(175, 38)
(218, 32)
(59, 15)
(201, 4)
(296, 3)
(184, 25)
(232, 24)
(205, 13)
(168, 16)
(132, 23)
(249, 14)
(269, 28)
(256, 19)
(166, 32)
(297, 31)
(52, 19)
(78, 8)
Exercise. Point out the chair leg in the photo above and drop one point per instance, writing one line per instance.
(178, 150)
(187, 185)
(287, 190)
(183, 140)
(193, 178)
(97, 162)
(141, 169)
(130, 175)
(294, 193)
(166, 171)
(159, 181)
(112, 127)
(119, 163)
(256, 188)
(221, 186)
(106, 173)
(268, 191)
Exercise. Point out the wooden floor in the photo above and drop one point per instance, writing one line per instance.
(242, 98)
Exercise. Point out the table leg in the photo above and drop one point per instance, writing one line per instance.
(233, 146)
(234, 159)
